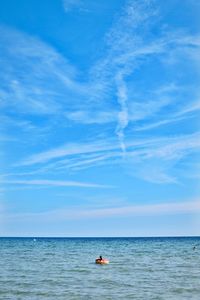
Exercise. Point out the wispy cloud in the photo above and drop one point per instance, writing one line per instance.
(134, 210)
(151, 159)
(90, 147)
(92, 117)
(89, 161)
(157, 124)
(54, 183)
(118, 64)
(51, 76)
(110, 94)
(130, 46)
(7, 138)
(160, 146)
(123, 118)
(67, 150)
(115, 106)
(185, 113)
(52, 79)
(69, 5)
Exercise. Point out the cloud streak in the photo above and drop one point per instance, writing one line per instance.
(129, 47)
(110, 100)
(163, 147)
(150, 159)
(119, 64)
(69, 5)
(190, 207)
(54, 183)
(51, 76)
(123, 118)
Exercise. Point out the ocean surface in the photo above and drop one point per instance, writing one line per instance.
(64, 268)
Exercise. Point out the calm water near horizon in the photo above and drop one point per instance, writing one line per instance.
(64, 268)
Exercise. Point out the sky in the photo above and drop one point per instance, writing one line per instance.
(100, 118)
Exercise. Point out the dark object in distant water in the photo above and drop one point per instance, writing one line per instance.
(194, 248)
(102, 261)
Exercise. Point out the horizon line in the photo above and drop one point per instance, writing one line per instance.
(79, 237)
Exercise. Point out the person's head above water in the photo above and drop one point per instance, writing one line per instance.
(100, 257)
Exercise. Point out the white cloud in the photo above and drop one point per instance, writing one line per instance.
(161, 147)
(7, 138)
(57, 183)
(190, 207)
(72, 4)
(89, 147)
(192, 107)
(151, 160)
(50, 75)
(52, 79)
(87, 162)
(185, 113)
(92, 117)
(118, 63)
(108, 94)
(123, 118)
(67, 150)
(155, 174)
(158, 124)
(128, 48)
(145, 210)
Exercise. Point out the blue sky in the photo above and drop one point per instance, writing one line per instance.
(100, 132)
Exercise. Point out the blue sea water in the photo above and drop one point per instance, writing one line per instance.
(64, 268)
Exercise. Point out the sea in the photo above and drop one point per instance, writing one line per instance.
(65, 269)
